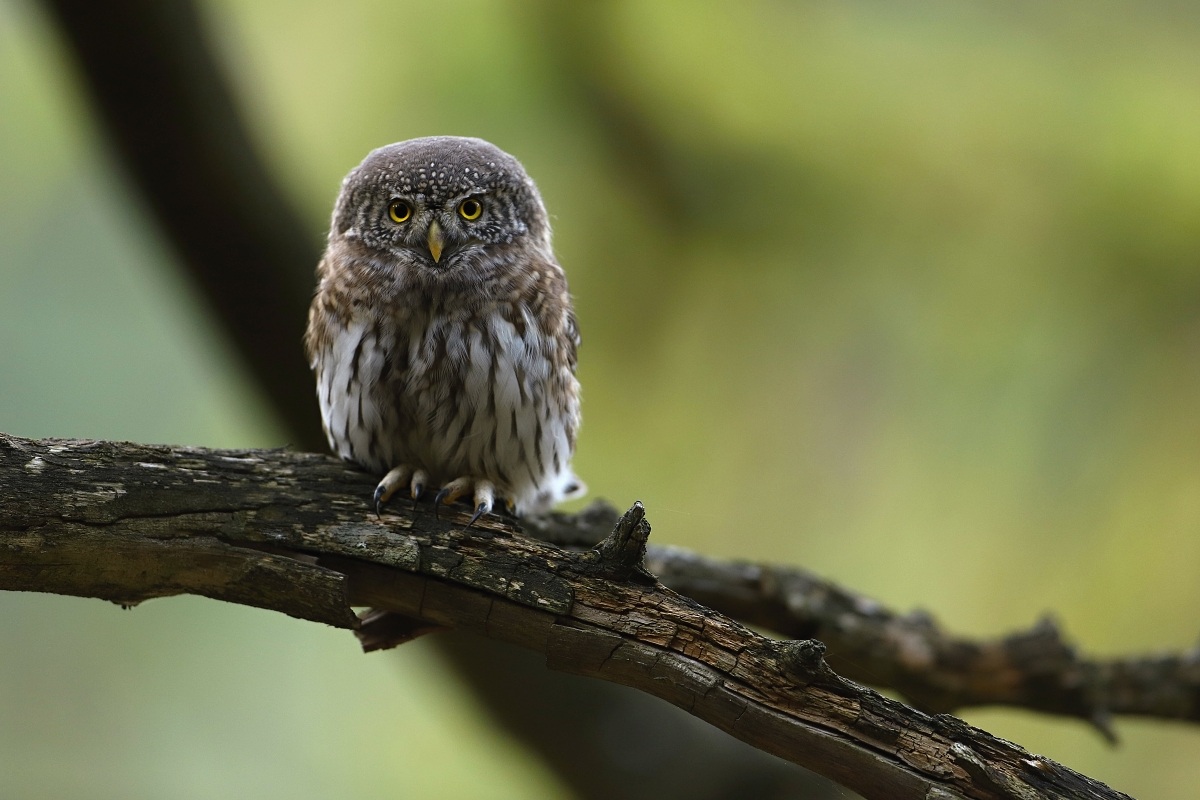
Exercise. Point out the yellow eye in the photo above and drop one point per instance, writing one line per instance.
(470, 209)
(399, 211)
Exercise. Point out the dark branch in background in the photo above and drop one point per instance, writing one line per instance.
(172, 120)
(292, 532)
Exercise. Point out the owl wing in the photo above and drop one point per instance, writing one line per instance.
(573, 338)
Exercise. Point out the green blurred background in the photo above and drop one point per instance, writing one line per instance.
(907, 295)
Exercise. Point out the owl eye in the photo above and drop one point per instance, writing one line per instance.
(470, 209)
(399, 211)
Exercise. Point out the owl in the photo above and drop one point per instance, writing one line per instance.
(442, 334)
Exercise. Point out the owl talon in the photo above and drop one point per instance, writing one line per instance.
(439, 498)
(396, 477)
(480, 510)
(417, 487)
(485, 498)
(483, 494)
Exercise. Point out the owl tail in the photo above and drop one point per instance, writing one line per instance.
(572, 487)
(564, 486)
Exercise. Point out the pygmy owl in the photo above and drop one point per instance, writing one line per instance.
(442, 334)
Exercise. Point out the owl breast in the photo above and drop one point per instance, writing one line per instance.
(483, 394)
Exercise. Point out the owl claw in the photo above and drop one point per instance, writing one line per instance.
(379, 501)
(485, 498)
(483, 493)
(387, 487)
(438, 498)
(417, 487)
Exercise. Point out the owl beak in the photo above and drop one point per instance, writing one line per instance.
(436, 241)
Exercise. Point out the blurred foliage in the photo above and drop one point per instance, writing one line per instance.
(907, 295)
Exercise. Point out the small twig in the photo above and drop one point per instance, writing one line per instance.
(622, 554)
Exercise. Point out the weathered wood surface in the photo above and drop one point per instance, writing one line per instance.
(293, 532)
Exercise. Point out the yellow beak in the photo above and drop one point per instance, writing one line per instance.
(436, 241)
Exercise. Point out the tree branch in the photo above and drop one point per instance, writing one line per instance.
(934, 670)
(291, 532)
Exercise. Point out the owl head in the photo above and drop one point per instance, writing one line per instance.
(440, 205)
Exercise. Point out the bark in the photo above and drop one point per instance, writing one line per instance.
(292, 532)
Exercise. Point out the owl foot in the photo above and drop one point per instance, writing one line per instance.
(417, 488)
(484, 495)
(396, 478)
